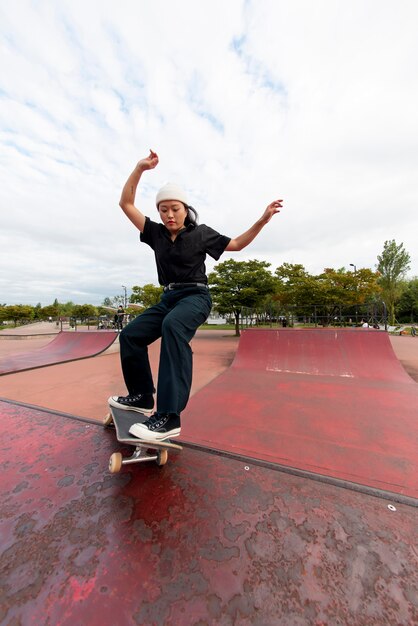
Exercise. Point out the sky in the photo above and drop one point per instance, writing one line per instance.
(245, 102)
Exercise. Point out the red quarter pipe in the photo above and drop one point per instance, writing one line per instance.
(331, 402)
(66, 346)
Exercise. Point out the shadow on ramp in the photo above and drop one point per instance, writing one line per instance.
(201, 540)
(66, 346)
(336, 403)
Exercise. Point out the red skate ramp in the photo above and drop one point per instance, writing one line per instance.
(332, 402)
(66, 346)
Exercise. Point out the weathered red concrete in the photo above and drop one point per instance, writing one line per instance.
(332, 402)
(203, 540)
(66, 346)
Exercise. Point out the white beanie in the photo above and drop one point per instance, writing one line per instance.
(171, 191)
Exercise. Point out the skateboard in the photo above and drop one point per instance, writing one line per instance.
(144, 451)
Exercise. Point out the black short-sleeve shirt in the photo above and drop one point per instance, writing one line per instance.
(183, 260)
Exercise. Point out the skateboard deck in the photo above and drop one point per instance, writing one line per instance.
(145, 450)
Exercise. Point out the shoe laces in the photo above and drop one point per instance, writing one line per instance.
(131, 398)
(155, 421)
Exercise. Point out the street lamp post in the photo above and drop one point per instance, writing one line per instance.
(126, 297)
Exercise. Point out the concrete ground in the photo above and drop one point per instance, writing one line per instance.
(406, 349)
(82, 387)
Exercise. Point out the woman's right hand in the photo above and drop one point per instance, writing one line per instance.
(149, 162)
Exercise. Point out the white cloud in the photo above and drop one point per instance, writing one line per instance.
(244, 102)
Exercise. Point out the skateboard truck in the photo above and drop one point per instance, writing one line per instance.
(140, 455)
(144, 450)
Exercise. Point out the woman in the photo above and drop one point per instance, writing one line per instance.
(180, 246)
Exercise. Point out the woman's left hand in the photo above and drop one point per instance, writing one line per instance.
(273, 208)
(240, 242)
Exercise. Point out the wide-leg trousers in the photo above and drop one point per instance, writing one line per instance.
(175, 319)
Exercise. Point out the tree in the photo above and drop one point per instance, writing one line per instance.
(296, 286)
(326, 294)
(114, 302)
(347, 288)
(17, 313)
(66, 309)
(342, 289)
(238, 284)
(84, 311)
(49, 311)
(392, 265)
(37, 311)
(407, 306)
(147, 296)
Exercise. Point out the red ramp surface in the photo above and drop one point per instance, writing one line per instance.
(332, 402)
(203, 540)
(66, 346)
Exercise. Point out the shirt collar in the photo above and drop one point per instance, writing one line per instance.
(189, 227)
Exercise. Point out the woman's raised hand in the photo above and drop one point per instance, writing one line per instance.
(273, 208)
(149, 162)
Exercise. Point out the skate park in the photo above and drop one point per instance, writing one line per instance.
(293, 500)
(274, 143)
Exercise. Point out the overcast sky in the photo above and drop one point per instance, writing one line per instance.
(245, 101)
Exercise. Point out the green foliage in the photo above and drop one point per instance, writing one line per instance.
(392, 265)
(51, 310)
(325, 295)
(83, 311)
(55, 310)
(66, 309)
(37, 312)
(147, 296)
(348, 288)
(238, 284)
(16, 313)
(298, 288)
(295, 285)
(407, 306)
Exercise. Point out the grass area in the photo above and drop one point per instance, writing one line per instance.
(217, 327)
(405, 331)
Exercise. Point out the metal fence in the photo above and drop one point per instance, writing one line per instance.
(315, 315)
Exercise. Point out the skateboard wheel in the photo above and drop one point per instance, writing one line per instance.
(108, 419)
(115, 463)
(162, 457)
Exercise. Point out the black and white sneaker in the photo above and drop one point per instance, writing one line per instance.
(141, 402)
(158, 427)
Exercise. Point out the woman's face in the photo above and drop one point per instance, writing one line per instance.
(173, 214)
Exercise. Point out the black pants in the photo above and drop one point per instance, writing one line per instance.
(175, 319)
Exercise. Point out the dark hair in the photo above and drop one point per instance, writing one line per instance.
(192, 215)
